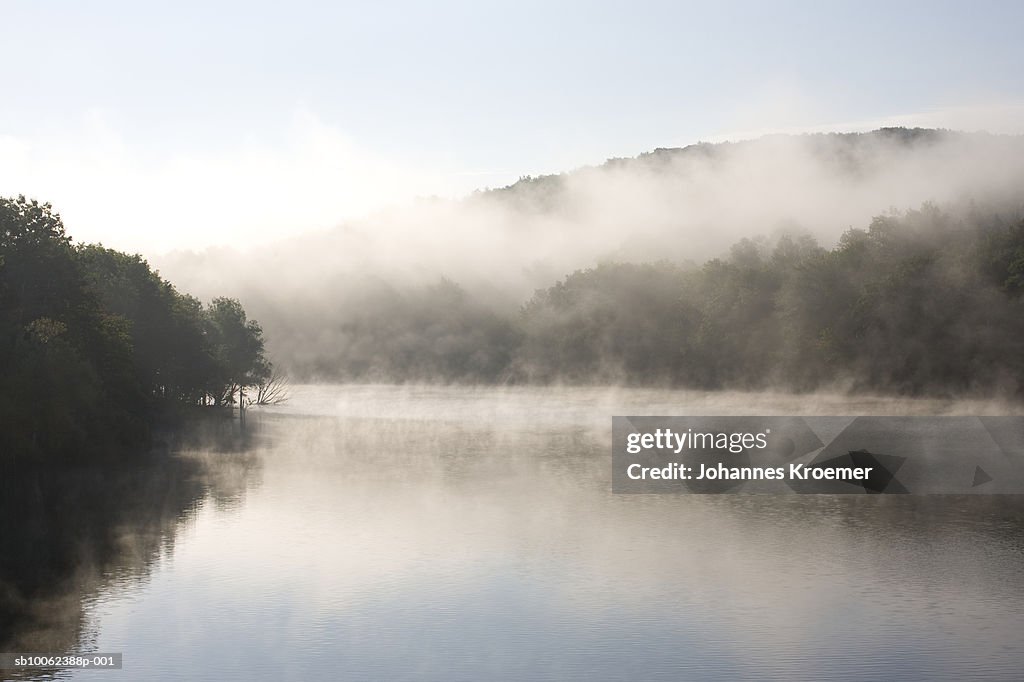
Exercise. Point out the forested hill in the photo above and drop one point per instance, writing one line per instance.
(920, 303)
(432, 290)
(95, 346)
(847, 156)
(926, 302)
(888, 261)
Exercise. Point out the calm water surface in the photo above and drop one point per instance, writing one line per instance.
(393, 533)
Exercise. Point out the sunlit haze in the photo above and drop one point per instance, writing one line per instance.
(241, 123)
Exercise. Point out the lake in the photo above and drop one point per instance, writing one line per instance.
(392, 533)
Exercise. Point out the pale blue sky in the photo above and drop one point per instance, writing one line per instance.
(442, 97)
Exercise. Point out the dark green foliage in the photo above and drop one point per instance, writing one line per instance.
(237, 345)
(173, 357)
(915, 304)
(94, 344)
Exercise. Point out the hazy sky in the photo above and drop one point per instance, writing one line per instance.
(187, 124)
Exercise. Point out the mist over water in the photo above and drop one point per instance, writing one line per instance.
(405, 294)
(424, 532)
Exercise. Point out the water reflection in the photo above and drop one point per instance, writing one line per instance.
(396, 536)
(73, 533)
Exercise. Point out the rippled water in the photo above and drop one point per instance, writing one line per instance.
(391, 533)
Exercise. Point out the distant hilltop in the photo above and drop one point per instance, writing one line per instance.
(847, 151)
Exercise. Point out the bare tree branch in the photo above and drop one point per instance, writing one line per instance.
(271, 391)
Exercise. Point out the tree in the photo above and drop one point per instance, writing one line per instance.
(172, 355)
(65, 363)
(238, 348)
(95, 346)
(272, 390)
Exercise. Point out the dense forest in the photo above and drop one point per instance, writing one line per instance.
(923, 302)
(96, 348)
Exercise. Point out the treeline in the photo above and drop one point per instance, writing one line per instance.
(916, 304)
(95, 346)
(852, 154)
(927, 302)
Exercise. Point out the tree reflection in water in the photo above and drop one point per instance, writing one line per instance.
(70, 529)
